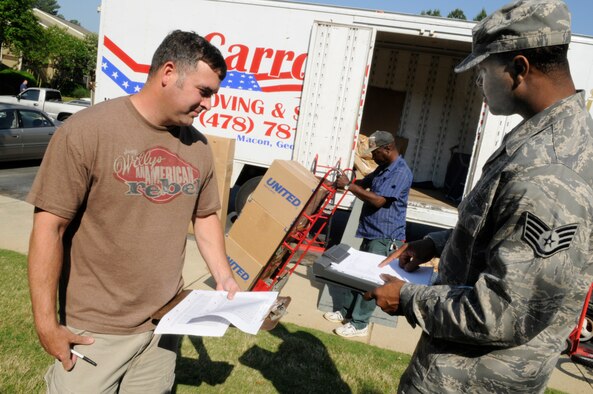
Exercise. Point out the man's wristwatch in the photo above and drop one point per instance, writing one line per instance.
(346, 187)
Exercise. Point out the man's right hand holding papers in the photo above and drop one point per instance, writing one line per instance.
(410, 255)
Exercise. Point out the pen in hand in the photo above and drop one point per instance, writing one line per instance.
(85, 358)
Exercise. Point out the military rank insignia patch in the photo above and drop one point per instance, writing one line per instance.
(545, 241)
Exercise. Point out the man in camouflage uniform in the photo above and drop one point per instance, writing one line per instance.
(515, 270)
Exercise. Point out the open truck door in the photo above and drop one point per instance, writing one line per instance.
(336, 78)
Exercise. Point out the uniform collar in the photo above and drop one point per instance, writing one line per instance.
(559, 110)
(564, 108)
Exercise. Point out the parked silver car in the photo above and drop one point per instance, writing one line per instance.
(24, 132)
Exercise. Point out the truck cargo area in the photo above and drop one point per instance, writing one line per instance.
(414, 93)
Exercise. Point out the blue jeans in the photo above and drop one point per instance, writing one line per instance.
(359, 309)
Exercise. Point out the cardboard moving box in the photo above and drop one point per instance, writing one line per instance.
(223, 152)
(268, 215)
(245, 268)
(284, 190)
(258, 232)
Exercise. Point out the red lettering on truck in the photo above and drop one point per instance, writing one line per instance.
(245, 59)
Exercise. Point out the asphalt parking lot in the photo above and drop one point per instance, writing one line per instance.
(16, 178)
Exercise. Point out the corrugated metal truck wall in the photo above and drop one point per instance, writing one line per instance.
(441, 109)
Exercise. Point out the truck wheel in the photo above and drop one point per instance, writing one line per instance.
(244, 192)
(63, 117)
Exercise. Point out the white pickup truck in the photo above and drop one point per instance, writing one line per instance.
(45, 99)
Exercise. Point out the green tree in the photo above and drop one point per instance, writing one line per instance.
(35, 58)
(49, 6)
(481, 15)
(435, 12)
(71, 58)
(18, 26)
(457, 14)
(91, 41)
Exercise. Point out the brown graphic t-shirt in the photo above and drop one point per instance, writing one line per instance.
(130, 189)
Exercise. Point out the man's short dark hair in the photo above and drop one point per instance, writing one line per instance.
(546, 59)
(185, 49)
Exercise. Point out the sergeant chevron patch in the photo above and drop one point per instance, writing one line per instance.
(544, 241)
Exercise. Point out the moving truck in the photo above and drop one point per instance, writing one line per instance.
(305, 80)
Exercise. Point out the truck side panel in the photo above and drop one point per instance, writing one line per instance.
(258, 102)
(580, 55)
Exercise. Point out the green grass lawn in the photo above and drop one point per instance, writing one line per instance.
(288, 359)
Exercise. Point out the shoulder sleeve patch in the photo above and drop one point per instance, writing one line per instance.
(545, 241)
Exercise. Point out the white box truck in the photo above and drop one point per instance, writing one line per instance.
(304, 80)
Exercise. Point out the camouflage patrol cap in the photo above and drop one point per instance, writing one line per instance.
(522, 24)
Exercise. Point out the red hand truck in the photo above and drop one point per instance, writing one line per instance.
(578, 347)
(303, 235)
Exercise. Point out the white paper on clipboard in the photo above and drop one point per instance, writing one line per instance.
(365, 265)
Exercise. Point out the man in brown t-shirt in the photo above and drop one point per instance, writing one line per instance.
(116, 189)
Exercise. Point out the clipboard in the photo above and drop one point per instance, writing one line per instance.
(356, 270)
(325, 273)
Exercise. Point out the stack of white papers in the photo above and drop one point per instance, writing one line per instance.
(366, 266)
(209, 313)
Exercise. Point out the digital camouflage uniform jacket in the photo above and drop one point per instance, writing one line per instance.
(515, 270)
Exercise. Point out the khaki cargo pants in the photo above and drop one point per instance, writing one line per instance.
(138, 363)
